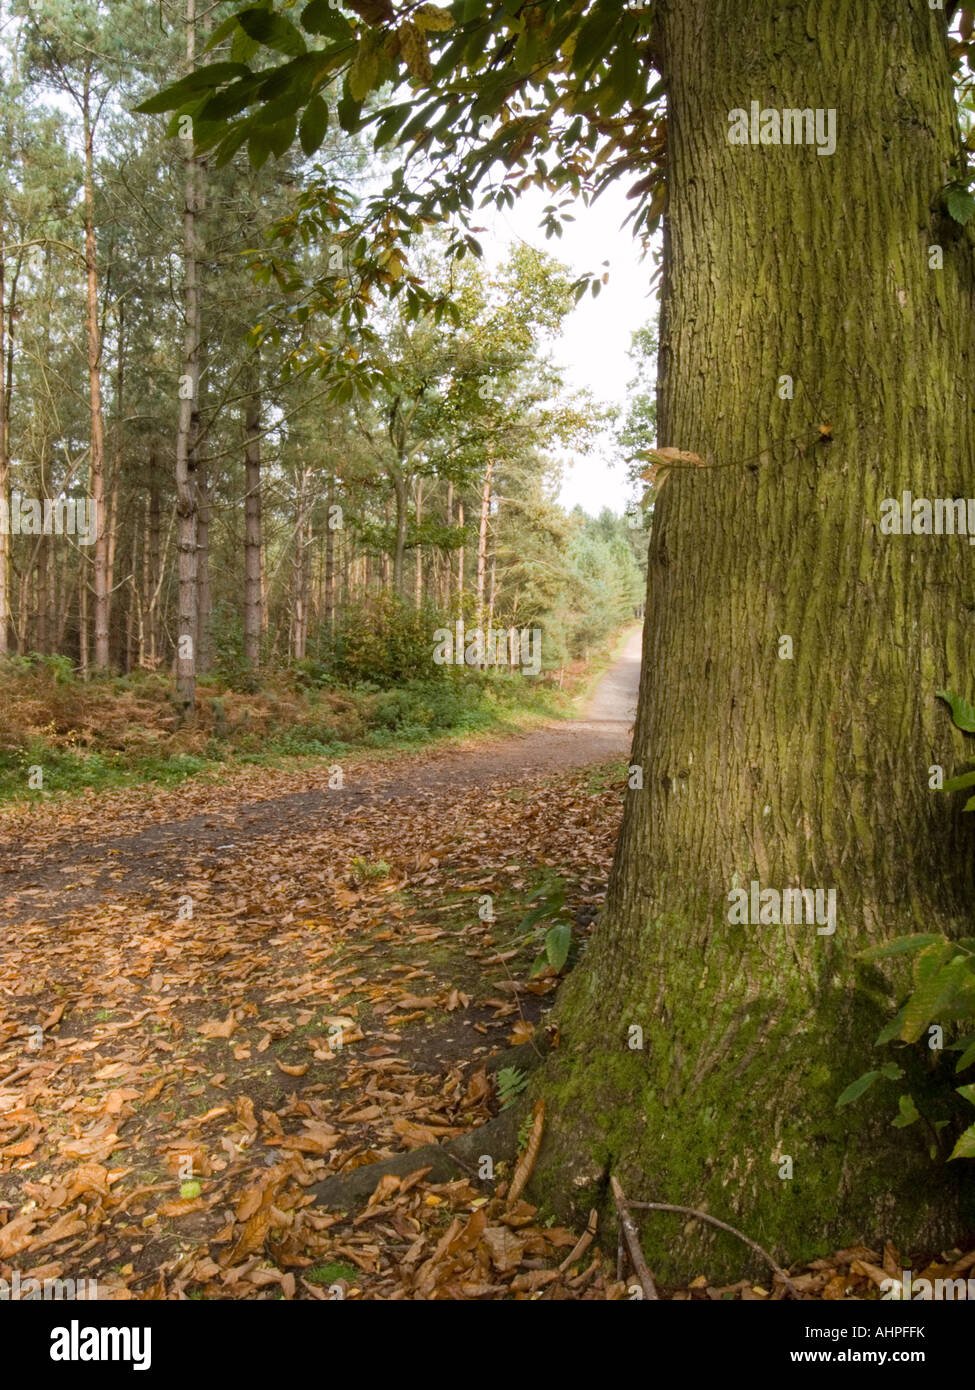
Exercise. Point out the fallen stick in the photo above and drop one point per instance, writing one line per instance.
(723, 1226)
(632, 1239)
(583, 1243)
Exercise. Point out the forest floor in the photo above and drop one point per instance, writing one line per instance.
(213, 998)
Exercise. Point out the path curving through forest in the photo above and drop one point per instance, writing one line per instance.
(129, 851)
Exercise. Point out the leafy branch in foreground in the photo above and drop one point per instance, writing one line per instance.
(943, 994)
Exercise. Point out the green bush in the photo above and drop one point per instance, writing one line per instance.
(387, 644)
(941, 998)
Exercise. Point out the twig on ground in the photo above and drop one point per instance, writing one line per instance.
(632, 1239)
(583, 1243)
(723, 1226)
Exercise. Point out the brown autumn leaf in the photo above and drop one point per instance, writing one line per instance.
(299, 1070)
(180, 1206)
(213, 1028)
(522, 1032)
(526, 1162)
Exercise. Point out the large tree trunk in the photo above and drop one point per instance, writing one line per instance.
(810, 771)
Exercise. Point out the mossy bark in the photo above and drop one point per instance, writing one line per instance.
(810, 771)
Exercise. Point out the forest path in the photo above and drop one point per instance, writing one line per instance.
(58, 857)
(215, 996)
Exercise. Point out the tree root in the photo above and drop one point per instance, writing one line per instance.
(446, 1161)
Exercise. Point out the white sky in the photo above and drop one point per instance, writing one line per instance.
(597, 334)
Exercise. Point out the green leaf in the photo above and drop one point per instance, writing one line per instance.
(890, 1071)
(272, 30)
(557, 942)
(891, 1029)
(243, 48)
(537, 914)
(899, 946)
(967, 1058)
(314, 124)
(389, 125)
(962, 712)
(960, 205)
(204, 79)
(349, 113)
(958, 784)
(259, 147)
(321, 17)
(857, 1088)
(232, 100)
(933, 991)
(222, 31)
(594, 41)
(967, 1092)
(965, 1148)
(908, 1112)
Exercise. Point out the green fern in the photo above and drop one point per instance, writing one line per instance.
(511, 1082)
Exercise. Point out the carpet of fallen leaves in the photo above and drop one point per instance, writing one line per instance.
(181, 1061)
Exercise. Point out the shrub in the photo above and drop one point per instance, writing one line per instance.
(942, 996)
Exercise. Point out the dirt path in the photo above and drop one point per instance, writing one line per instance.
(108, 849)
(214, 998)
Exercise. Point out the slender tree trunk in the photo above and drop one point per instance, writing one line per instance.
(347, 561)
(111, 527)
(482, 535)
(384, 566)
(446, 578)
(96, 467)
(252, 523)
(187, 498)
(492, 591)
(8, 305)
(60, 597)
(4, 459)
(460, 561)
(204, 616)
(399, 548)
(809, 770)
(155, 557)
(419, 547)
(47, 625)
(329, 613)
(300, 572)
(145, 587)
(83, 620)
